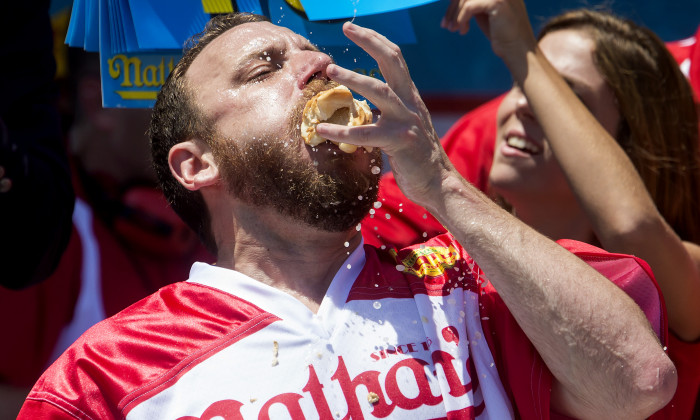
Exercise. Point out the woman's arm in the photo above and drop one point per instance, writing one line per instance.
(606, 183)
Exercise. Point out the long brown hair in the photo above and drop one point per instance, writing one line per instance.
(659, 121)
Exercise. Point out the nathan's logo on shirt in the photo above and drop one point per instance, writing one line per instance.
(428, 261)
(383, 398)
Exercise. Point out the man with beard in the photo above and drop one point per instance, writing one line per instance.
(298, 319)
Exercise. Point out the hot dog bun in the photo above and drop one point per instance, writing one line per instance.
(335, 106)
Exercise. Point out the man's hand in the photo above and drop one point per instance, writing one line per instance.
(595, 340)
(404, 130)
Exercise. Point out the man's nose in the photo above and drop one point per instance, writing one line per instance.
(309, 64)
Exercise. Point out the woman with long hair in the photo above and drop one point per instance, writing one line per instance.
(598, 142)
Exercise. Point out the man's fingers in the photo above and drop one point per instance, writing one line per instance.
(364, 135)
(376, 91)
(387, 55)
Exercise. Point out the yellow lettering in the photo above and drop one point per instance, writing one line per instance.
(137, 94)
(150, 76)
(117, 69)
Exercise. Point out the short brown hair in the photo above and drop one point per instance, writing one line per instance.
(659, 121)
(176, 118)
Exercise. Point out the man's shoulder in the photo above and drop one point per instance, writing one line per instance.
(177, 305)
(147, 346)
(171, 324)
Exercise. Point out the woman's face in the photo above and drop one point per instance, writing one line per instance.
(523, 161)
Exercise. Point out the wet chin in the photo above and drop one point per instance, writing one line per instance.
(268, 176)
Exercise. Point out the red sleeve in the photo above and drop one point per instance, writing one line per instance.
(42, 410)
(687, 54)
(694, 72)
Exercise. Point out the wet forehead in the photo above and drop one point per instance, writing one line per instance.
(234, 48)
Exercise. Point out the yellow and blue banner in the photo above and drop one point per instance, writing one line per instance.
(140, 41)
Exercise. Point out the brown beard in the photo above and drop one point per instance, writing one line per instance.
(266, 173)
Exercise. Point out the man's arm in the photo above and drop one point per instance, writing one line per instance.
(606, 360)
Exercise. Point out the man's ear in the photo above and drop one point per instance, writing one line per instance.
(192, 164)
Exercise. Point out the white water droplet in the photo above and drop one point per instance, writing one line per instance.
(376, 170)
(377, 305)
(388, 216)
(347, 244)
(377, 204)
(400, 267)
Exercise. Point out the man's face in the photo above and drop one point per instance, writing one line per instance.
(252, 83)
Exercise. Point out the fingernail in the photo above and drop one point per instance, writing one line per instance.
(332, 70)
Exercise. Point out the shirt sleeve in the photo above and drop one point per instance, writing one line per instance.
(44, 410)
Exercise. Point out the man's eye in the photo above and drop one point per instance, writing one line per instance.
(261, 74)
(264, 72)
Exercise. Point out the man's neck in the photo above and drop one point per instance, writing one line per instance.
(286, 254)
